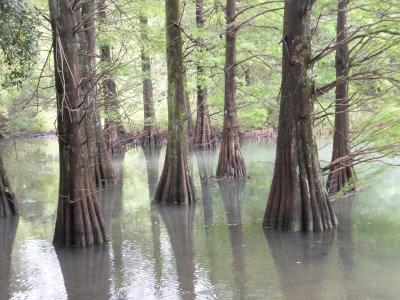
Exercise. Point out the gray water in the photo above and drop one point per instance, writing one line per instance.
(215, 249)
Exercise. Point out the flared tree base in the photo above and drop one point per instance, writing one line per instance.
(79, 219)
(112, 138)
(176, 184)
(231, 163)
(340, 178)
(151, 138)
(203, 136)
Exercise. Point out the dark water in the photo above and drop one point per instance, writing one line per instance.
(215, 249)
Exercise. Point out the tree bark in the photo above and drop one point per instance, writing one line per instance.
(176, 183)
(231, 162)
(297, 200)
(188, 110)
(152, 165)
(98, 155)
(8, 230)
(203, 137)
(340, 175)
(8, 201)
(79, 220)
(151, 137)
(113, 127)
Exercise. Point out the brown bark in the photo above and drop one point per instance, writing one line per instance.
(203, 137)
(113, 127)
(297, 199)
(188, 110)
(98, 155)
(79, 220)
(179, 224)
(176, 183)
(8, 230)
(8, 201)
(340, 175)
(151, 136)
(231, 162)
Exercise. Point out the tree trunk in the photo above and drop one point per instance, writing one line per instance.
(341, 174)
(297, 200)
(8, 201)
(188, 110)
(113, 128)
(231, 162)
(98, 154)
(151, 136)
(8, 230)
(176, 183)
(203, 137)
(79, 220)
(152, 165)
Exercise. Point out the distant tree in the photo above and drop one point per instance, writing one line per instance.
(151, 136)
(297, 199)
(113, 127)
(203, 137)
(342, 173)
(176, 183)
(231, 162)
(79, 219)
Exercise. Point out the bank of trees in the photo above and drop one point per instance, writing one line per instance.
(223, 66)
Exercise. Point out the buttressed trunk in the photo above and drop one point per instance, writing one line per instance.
(79, 220)
(203, 138)
(151, 137)
(341, 174)
(297, 199)
(113, 128)
(230, 163)
(176, 183)
(8, 201)
(99, 157)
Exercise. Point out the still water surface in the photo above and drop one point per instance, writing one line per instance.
(215, 249)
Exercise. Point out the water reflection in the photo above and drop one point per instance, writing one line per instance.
(302, 263)
(8, 229)
(232, 196)
(86, 272)
(179, 223)
(152, 157)
(205, 165)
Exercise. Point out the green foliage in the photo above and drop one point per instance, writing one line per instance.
(18, 40)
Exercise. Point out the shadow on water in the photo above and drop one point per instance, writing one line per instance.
(8, 229)
(302, 262)
(178, 221)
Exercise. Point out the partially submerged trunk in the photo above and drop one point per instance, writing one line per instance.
(203, 137)
(341, 175)
(151, 136)
(113, 127)
(176, 183)
(231, 162)
(297, 199)
(8, 201)
(8, 230)
(79, 220)
(152, 165)
(98, 154)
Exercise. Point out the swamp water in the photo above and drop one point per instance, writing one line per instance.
(215, 249)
